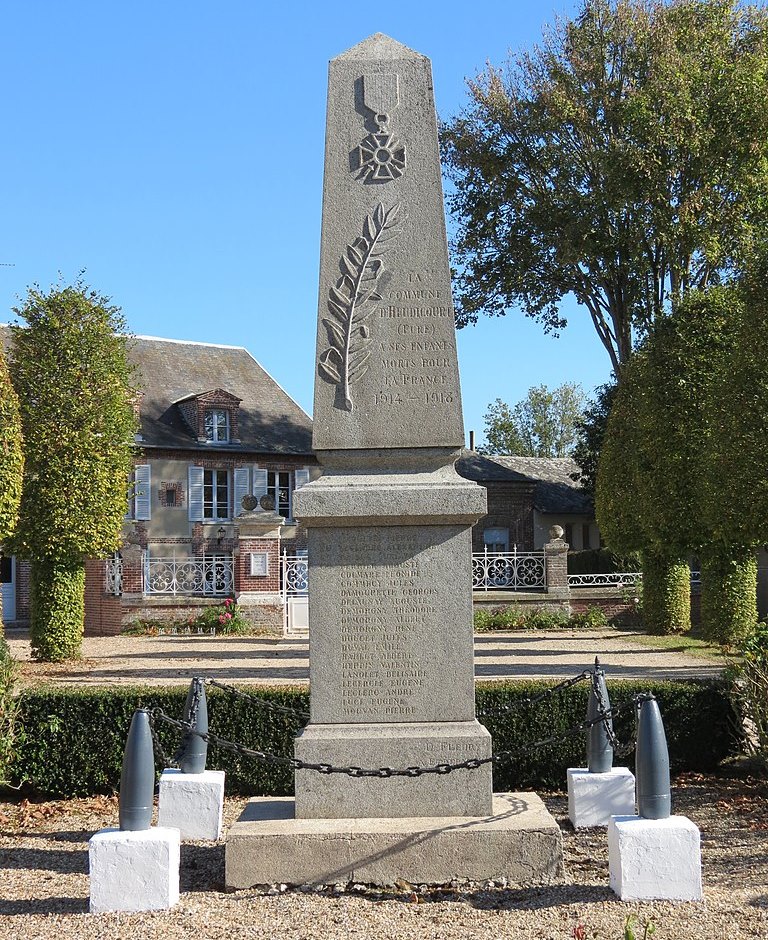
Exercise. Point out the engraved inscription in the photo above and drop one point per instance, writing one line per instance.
(382, 610)
(417, 367)
(352, 301)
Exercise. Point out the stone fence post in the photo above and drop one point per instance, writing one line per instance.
(556, 562)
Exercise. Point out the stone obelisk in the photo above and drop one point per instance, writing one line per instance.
(389, 532)
(390, 601)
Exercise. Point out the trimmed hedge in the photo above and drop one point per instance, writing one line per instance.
(70, 742)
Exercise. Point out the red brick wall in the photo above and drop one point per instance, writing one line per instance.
(510, 506)
(103, 612)
(243, 579)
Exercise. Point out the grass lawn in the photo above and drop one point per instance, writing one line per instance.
(681, 643)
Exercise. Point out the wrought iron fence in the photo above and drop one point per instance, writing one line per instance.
(619, 579)
(294, 575)
(508, 571)
(113, 575)
(201, 575)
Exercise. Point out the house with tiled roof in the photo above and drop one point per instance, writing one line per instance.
(526, 497)
(215, 429)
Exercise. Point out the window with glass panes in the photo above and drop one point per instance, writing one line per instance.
(279, 486)
(217, 425)
(216, 494)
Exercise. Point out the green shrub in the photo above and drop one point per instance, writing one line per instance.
(57, 609)
(666, 594)
(515, 617)
(600, 561)
(70, 742)
(593, 618)
(728, 596)
(8, 708)
(750, 690)
(224, 618)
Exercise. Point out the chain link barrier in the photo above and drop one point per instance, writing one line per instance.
(164, 760)
(605, 715)
(257, 700)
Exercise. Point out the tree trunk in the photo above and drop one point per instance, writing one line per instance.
(666, 594)
(57, 609)
(728, 594)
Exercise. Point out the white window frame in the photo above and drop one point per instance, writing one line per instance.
(213, 435)
(212, 488)
(274, 486)
(496, 536)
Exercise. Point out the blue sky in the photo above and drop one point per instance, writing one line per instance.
(175, 152)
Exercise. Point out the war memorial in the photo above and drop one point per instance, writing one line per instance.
(391, 655)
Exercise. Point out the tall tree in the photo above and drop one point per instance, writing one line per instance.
(11, 455)
(627, 521)
(623, 161)
(590, 432)
(75, 386)
(543, 424)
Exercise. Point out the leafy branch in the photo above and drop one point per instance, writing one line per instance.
(351, 301)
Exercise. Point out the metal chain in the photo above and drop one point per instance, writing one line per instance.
(323, 768)
(161, 757)
(547, 693)
(257, 700)
(197, 693)
(604, 715)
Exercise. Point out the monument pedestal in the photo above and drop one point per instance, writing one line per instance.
(519, 841)
(594, 797)
(654, 859)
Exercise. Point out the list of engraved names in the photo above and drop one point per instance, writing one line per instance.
(382, 612)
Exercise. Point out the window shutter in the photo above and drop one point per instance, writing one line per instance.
(301, 477)
(242, 479)
(143, 491)
(195, 494)
(259, 482)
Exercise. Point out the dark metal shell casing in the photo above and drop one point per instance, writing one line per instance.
(137, 781)
(654, 796)
(195, 749)
(599, 747)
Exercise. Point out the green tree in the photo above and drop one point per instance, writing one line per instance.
(625, 509)
(668, 413)
(75, 386)
(543, 424)
(11, 454)
(623, 161)
(590, 433)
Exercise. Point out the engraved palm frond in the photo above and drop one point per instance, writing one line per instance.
(351, 301)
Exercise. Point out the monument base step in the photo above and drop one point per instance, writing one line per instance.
(520, 841)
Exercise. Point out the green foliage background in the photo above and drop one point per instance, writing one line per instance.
(11, 452)
(70, 742)
(75, 385)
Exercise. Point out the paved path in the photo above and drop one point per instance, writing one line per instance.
(277, 661)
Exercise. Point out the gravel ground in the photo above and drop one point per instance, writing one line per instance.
(44, 885)
(173, 660)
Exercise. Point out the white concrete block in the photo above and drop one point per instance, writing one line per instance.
(654, 858)
(192, 803)
(134, 871)
(594, 798)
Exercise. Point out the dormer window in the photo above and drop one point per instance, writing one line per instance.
(217, 425)
(212, 416)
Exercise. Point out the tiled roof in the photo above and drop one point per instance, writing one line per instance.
(269, 420)
(555, 490)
